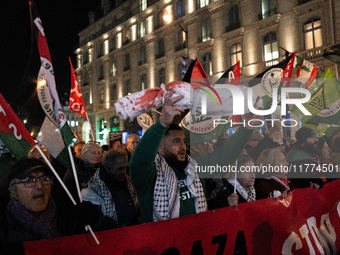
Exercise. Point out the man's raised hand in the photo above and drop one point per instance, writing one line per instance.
(169, 110)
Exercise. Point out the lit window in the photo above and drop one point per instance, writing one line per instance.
(205, 30)
(72, 123)
(142, 30)
(203, 3)
(270, 48)
(119, 40)
(268, 9)
(312, 34)
(133, 33)
(113, 69)
(235, 54)
(180, 40)
(77, 123)
(143, 5)
(206, 63)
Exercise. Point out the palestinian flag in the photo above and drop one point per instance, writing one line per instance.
(200, 128)
(14, 137)
(274, 77)
(323, 105)
(54, 134)
(306, 73)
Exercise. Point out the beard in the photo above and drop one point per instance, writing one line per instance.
(309, 147)
(172, 160)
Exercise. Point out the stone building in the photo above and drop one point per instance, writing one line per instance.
(138, 44)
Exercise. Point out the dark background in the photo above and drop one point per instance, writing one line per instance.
(19, 57)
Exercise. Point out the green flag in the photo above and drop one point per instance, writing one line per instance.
(325, 94)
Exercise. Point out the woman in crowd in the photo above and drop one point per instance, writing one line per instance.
(89, 163)
(244, 183)
(274, 184)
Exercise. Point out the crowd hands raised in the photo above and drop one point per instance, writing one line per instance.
(152, 179)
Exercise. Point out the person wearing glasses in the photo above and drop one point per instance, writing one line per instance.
(32, 213)
(131, 143)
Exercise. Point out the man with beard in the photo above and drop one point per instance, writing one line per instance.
(303, 159)
(164, 176)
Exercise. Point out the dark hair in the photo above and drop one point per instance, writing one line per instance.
(112, 156)
(321, 143)
(105, 147)
(336, 143)
(172, 127)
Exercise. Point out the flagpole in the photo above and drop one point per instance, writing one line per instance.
(56, 174)
(74, 172)
(87, 227)
(235, 175)
(87, 117)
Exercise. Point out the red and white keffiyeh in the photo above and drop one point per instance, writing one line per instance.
(135, 104)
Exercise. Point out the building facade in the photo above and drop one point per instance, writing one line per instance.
(138, 44)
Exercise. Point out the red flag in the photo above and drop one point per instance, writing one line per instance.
(76, 135)
(76, 103)
(196, 71)
(12, 132)
(287, 72)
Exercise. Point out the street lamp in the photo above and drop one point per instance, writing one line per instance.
(167, 17)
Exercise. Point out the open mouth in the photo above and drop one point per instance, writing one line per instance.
(40, 196)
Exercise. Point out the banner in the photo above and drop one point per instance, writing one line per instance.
(55, 134)
(306, 222)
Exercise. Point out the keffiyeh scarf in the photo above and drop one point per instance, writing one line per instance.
(166, 196)
(249, 195)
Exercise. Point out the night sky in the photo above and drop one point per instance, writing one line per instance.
(62, 20)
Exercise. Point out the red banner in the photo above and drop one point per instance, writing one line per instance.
(76, 103)
(307, 222)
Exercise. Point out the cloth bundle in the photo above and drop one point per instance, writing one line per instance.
(133, 105)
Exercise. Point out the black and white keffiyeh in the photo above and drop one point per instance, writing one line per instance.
(166, 198)
(249, 195)
(99, 187)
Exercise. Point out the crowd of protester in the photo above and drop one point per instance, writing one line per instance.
(151, 179)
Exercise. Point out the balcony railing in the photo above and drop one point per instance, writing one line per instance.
(232, 27)
(126, 42)
(267, 14)
(312, 53)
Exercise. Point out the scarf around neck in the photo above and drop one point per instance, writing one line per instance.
(44, 225)
(249, 195)
(166, 196)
